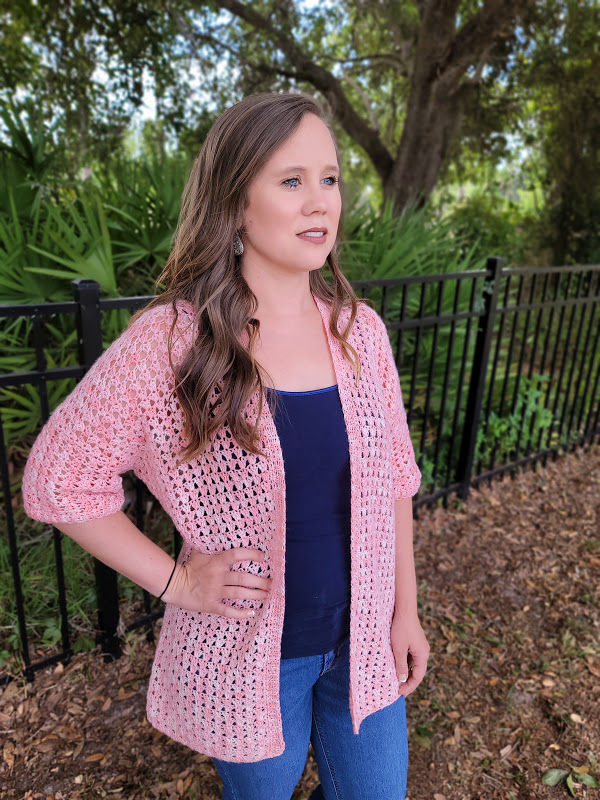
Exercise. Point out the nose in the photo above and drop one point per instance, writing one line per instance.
(315, 199)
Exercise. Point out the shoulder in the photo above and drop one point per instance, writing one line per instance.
(155, 322)
(145, 340)
(162, 315)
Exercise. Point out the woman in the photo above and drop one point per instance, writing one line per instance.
(291, 610)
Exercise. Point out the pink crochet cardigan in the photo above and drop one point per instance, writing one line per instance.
(214, 683)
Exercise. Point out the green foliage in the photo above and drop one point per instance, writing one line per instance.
(83, 243)
(114, 226)
(112, 220)
(497, 439)
(40, 591)
(529, 102)
(553, 777)
(560, 78)
(37, 569)
(491, 220)
(28, 157)
(143, 197)
(85, 65)
(381, 244)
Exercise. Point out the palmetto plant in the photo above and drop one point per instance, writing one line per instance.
(28, 155)
(143, 198)
(381, 244)
(82, 244)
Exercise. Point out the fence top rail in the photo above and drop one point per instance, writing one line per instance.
(472, 273)
(70, 306)
(550, 270)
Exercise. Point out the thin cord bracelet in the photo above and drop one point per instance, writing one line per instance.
(168, 582)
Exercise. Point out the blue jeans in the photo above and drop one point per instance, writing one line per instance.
(314, 695)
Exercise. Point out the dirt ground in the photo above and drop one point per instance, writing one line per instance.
(508, 585)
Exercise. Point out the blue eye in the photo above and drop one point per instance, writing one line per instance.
(332, 178)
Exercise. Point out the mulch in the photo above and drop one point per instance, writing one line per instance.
(508, 587)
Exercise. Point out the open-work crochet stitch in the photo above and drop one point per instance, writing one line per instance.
(214, 683)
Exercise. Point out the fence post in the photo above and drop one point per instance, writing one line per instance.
(89, 326)
(481, 354)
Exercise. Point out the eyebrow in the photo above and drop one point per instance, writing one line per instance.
(333, 167)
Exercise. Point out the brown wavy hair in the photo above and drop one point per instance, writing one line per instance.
(203, 269)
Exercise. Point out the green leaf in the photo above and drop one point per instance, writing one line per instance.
(570, 786)
(554, 776)
(583, 777)
(83, 643)
(55, 273)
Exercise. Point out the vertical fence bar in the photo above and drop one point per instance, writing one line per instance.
(454, 432)
(524, 349)
(570, 357)
(589, 383)
(547, 432)
(12, 539)
(440, 438)
(575, 381)
(594, 425)
(14, 559)
(478, 374)
(587, 362)
(67, 650)
(427, 422)
(534, 349)
(567, 358)
(502, 315)
(89, 326)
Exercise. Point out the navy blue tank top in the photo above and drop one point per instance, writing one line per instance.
(314, 444)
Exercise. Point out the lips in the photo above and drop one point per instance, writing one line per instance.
(314, 230)
(314, 235)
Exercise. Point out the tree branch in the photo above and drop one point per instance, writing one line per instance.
(321, 79)
(194, 39)
(394, 59)
(475, 39)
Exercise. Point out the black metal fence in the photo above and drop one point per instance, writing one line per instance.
(500, 368)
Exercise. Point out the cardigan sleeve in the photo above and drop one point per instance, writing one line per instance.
(96, 433)
(407, 476)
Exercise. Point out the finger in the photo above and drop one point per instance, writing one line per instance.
(235, 613)
(408, 687)
(418, 656)
(402, 665)
(237, 578)
(245, 554)
(401, 652)
(417, 673)
(238, 592)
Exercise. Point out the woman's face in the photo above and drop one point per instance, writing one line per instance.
(296, 190)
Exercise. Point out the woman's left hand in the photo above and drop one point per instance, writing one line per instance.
(411, 650)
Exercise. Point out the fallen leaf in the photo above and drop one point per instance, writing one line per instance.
(95, 757)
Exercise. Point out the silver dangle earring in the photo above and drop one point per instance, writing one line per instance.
(238, 245)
